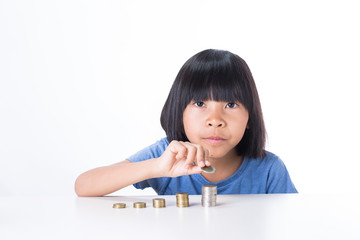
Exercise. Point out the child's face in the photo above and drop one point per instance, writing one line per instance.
(216, 126)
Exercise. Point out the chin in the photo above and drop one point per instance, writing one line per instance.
(220, 153)
(216, 155)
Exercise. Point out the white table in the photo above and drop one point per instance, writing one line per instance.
(236, 217)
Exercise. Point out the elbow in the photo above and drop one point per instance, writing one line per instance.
(85, 188)
(80, 187)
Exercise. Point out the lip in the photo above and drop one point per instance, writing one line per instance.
(214, 139)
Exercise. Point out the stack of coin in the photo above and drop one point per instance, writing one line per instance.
(158, 202)
(139, 205)
(182, 199)
(119, 205)
(209, 193)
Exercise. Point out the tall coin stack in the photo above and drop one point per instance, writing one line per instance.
(209, 193)
(159, 202)
(182, 199)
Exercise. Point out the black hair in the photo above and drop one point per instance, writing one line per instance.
(220, 76)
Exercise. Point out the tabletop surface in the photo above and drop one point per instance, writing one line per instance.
(277, 216)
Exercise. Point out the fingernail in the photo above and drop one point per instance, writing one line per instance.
(208, 163)
(186, 166)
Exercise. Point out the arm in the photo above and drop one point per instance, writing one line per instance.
(105, 180)
(175, 161)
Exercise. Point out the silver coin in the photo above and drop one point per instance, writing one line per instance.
(209, 188)
(209, 193)
(208, 169)
(208, 204)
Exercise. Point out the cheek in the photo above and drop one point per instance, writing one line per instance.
(241, 132)
(190, 128)
(186, 123)
(241, 126)
(190, 125)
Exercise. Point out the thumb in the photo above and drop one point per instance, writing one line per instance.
(193, 169)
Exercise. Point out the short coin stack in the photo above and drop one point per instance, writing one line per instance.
(158, 202)
(119, 205)
(208, 198)
(139, 205)
(182, 200)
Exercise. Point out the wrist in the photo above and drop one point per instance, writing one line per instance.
(154, 170)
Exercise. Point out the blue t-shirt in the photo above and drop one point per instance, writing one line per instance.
(260, 175)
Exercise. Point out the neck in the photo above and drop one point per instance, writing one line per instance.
(225, 167)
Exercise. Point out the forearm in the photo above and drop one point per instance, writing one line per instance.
(104, 180)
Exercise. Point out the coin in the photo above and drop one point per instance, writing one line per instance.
(209, 189)
(182, 200)
(208, 169)
(209, 193)
(119, 205)
(158, 202)
(139, 205)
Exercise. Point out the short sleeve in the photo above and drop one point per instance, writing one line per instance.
(279, 179)
(153, 151)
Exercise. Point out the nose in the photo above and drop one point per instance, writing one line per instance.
(214, 120)
(215, 124)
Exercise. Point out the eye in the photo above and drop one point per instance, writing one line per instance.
(199, 104)
(231, 105)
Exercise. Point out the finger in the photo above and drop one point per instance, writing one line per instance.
(207, 162)
(178, 149)
(191, 153)
(200, 156)
(193, 169)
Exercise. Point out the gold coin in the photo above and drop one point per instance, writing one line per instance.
(182, 200)
(119, 205)
(158, 202)
(182, 195)
(208, 169)
(182, 205)
(139, 205)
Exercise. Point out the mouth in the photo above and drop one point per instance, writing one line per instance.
(214, 140)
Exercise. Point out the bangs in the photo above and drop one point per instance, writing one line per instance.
(217, 80)
(217, 89)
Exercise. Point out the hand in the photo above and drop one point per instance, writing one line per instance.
(178, 159)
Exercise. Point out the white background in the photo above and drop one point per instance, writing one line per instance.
(82, 83)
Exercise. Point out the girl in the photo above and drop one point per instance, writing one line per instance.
(212, 117)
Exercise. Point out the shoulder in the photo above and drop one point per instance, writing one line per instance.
(268, 161)
(272, 160)
(274, 164)
(278, 178)
(267, 166)
(153, 151)
(160, 144)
